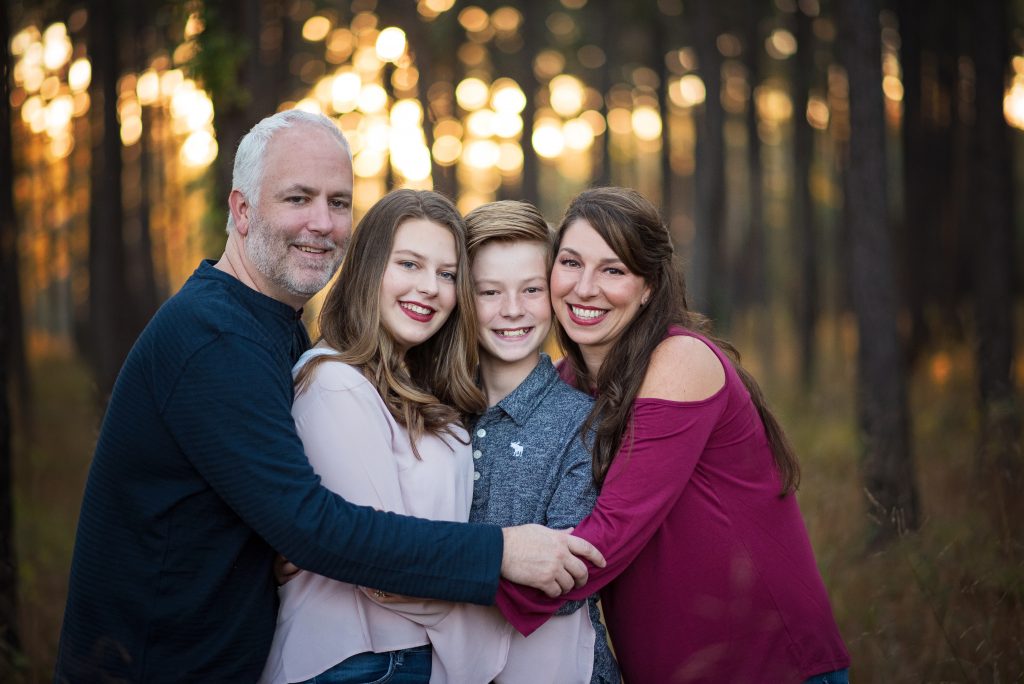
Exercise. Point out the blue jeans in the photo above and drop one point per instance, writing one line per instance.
(837, 677)
(408, 666)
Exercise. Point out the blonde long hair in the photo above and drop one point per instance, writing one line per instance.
(432, 386)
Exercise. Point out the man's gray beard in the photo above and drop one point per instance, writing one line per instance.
(260, 246)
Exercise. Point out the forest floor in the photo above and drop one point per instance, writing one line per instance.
(944, 603)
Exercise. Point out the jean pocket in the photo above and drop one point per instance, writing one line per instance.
(362, 668)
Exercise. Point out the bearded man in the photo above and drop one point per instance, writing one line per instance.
(198, 476)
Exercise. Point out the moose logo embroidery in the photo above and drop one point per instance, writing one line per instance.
(517, 448)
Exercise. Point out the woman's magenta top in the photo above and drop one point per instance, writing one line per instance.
(710, 575)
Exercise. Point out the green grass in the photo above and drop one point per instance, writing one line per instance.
(50, 466)
(943, 604)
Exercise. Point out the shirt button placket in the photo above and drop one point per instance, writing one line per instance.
(481, 433)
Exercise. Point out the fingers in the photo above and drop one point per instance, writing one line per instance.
(284, 570)
(565, 581)
(378, 595)
(576, 571)
(552, 561)
(582, 548)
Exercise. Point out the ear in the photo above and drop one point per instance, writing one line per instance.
(240, 211)
(645, 296)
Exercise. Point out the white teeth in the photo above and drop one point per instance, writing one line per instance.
(586, 313)
(415, 308)
(310, 250)
(518, 332)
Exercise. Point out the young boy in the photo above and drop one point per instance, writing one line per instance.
(531, 464)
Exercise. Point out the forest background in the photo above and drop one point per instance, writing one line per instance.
(840, 177)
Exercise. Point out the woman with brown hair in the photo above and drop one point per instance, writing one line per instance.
(710, 575)
(380, 407)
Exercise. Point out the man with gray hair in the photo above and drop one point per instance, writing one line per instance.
(199, 476)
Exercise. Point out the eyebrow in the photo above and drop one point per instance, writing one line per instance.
(419, 256)
(307, 190)
(297, 187)
(606, 260)
(486, 279)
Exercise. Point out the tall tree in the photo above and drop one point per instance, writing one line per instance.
(10, 335)
(144, 288)
(805, 223)
(750, 272)
(110, 334)
(433, 64)
(881, 379)
(666, 32)
(707, 273)
(229, 66)
(928, 59)
(606, 30)
(991, 190)
(533, 40)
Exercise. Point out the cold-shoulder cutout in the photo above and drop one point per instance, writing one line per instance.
(682, 368)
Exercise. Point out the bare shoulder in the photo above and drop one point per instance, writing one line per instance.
(683, 368)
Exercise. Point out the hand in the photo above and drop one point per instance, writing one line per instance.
(384, 597)
(547, 559)
(284, 570)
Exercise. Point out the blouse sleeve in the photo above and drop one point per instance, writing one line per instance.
(347, 438)
(644, 482)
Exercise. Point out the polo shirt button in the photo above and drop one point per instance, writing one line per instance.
(476, 475)
(481, 433)
(477, 454)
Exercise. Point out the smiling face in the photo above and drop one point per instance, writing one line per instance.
(295, 235)
(594, 295)
(417, 292)
(510, 287)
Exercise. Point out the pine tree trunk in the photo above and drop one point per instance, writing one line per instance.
(751, 274)
(881, 381)
(109, 298)
(991, 191)
(532, 27)
(706, 267)
(10, 335)
(803, 202)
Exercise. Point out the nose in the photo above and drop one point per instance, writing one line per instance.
(320, 219)
(427, 283)
(585, 285)
(511, 305)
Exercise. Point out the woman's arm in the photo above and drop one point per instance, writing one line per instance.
(676, 411)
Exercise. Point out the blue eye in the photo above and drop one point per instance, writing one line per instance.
(447, 275)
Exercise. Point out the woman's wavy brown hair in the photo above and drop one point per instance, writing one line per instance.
(432, 386)
(632, 227)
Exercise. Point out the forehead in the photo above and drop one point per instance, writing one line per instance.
(522, 257)
(424, 236)
(306, 155)
(581, 237)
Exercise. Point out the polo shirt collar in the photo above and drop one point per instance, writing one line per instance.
(520, 404)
